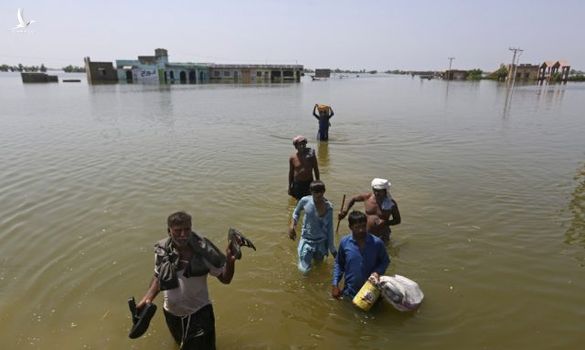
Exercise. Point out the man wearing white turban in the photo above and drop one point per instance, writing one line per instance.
(381, 209)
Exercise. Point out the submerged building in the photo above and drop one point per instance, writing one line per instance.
(545, 72)
(554, 70)
(158, 70)
(100, 72)
(523, 72)
(455, 74)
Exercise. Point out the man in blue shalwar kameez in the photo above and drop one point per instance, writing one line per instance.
(317, 233)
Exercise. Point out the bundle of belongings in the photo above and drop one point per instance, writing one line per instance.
(323, 108)
(404, 294)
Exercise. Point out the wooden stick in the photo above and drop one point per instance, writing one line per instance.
(340, 209)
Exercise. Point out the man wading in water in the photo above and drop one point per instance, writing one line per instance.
(182, 262)
(302, 164)
(381, 209)
(325, 113)
(317, 234)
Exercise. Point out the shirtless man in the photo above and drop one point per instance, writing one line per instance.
(302, 164)
(381, 209)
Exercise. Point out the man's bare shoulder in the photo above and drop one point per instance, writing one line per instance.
(367, 196)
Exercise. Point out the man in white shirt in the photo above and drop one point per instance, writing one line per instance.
(182, 263)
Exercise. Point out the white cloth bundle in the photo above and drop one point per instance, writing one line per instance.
(404, 294)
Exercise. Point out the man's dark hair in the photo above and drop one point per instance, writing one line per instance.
(179, 218)
(356, 217)
(317, 186)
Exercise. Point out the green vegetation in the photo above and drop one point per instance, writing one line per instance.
(21, 68)
(500, 74)
(337, 70)
(73, 69)
(397, 71)
(474, 74)
(556, 77)
(577, 77)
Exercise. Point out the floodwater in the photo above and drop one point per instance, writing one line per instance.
(490, 184)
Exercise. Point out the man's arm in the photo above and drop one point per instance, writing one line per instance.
(330, 240)
(396, 219)
(292, 234)
(291, 175)
(230, 267)
(338, 272)
(315, 113)
(352, 200)
(332, 113)
(151, 293)
(316, 167)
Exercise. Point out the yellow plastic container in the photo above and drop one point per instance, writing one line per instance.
(367, 296)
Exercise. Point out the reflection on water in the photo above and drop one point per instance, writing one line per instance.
(447, 91)
(508, 101)
(551, 94)
(323, 154)
(575, 234)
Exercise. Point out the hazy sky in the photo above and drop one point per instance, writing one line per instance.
(336, 34)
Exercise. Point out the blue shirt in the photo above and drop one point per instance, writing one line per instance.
(356, 265)
(316, 229)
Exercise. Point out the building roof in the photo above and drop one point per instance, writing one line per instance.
(187, 65)
(564, 63)
(256, 66)
(549, 63)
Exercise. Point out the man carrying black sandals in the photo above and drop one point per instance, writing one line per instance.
(182, 263)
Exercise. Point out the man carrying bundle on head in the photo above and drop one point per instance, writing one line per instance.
(325, 113)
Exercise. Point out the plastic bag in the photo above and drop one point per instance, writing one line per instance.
(402, 293)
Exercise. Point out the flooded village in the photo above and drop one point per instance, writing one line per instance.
(158, 70)
(292, 175)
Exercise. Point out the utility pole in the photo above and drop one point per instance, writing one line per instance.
(518, 51)
(450, 75)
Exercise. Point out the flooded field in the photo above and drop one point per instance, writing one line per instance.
(490, 184)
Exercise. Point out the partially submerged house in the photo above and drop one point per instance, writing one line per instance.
(551, 70)
(35, 77)
(255, 73)
(158, 70)
(100, 72)
(456, 74)
(524, 72)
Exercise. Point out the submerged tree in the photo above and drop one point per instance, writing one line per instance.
(474, 74)
(499, 74)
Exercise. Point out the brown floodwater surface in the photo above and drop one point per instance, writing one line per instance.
(490, 185)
